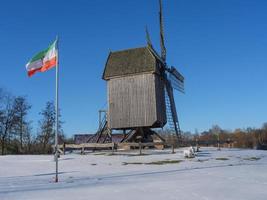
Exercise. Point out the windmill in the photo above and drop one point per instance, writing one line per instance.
(140, 87)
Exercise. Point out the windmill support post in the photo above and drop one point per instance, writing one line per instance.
(141, 134)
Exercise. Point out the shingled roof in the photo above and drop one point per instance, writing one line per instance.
(129, 62)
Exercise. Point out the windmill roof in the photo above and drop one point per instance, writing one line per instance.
(130, 62)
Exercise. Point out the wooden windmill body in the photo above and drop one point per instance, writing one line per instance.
(135, 89)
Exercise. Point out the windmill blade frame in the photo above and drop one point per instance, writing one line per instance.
(176, 74)
(148, 40)
(176, 84)
(175, 121)
(162, 42)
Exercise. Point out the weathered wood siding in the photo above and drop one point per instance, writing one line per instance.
(134, 102)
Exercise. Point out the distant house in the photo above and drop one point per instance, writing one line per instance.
(82, 138)
(117, 137)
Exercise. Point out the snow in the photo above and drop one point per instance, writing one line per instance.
(230, 174)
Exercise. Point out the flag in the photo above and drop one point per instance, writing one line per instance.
(44, 60)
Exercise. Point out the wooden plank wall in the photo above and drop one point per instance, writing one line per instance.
(132, 101)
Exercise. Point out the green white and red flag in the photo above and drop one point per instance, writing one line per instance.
(43, 60)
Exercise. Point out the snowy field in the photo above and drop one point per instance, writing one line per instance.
(158, 175)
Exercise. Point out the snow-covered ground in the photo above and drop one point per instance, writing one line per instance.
(158, 175)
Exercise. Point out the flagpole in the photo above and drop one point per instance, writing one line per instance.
(56, 108)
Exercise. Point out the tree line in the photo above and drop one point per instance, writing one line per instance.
(254, 138)
(16, 132)
(241, 138)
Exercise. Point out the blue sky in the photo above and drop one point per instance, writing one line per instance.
(219, 46)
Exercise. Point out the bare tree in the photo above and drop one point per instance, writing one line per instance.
(216, 130)
(47, 127)
(21, 107)
(261, 135)
(7, 116)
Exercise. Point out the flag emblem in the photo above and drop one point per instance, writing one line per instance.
(43, 60)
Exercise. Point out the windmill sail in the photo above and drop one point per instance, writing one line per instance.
(176, 79)
(172, 116)
(148, 40)
(173, 80)
(169, 90)
(162, 44)
(177, 75)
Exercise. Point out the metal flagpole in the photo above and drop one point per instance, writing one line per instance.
(56, 108)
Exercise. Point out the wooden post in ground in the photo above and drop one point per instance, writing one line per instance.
(173, 148)
(140, 148)
(64, 148)
(113, 147)
(173, 143)
(82, 150)
(219, 147)
(197, 145)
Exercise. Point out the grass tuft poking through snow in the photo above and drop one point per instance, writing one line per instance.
(164, 162)
(222, 158)
(160, 162)
(252, 158)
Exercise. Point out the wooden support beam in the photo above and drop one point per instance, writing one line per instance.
(140, 148)
(113, 146)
